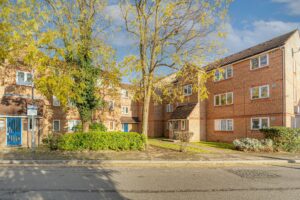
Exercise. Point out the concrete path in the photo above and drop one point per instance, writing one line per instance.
(77, 183)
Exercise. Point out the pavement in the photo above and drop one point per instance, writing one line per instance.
(274, 182)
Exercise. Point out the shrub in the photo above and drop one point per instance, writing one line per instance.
(284, 138)
(102, 141)
(184, 137)
(252, 144)
(52, 141)
(95, 126)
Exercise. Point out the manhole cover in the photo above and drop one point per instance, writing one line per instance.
(250, 173)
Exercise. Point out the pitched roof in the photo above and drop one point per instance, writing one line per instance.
(130, 120)
(262, 47)
(182, 112)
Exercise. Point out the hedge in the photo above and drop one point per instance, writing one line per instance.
(101, 141)
(284, 138)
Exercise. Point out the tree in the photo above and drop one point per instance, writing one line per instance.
(65, 46)
(172, 34)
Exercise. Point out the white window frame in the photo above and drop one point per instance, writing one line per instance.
(219, 95)
(189, 89)
(55, 101)
(169, 108)
(259, 61)
(124, 93)
(183, 125)
(56, 120)
(260, 122)
(259, 92)
(111, 105)
(73, 124)
(25, 82)
(218, 124)
(224, 72)
(113, 125)
(126, 110)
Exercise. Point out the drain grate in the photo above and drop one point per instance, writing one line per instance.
(251, 173)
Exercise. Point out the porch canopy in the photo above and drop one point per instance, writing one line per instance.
(182, 111)
(130, 120)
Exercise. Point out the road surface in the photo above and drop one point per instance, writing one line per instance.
(84, 183)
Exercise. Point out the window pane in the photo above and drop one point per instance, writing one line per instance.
(29, 78)
(217, 100)
(229, 98)
(229, 72)
(56, 125)
(223, 125)
(264, 123)
(21, 77)
(264, 91)
(255, 93)
(254, 63)
(255, 123)
(229, 125)
(217, 75)
(263, 60)
(176, 125)
(223, 99)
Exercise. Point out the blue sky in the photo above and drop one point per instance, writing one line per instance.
(250, 22)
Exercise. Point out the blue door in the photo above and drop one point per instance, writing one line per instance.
(14, 131)
(125, 127)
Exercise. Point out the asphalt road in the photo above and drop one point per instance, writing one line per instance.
(84, 183)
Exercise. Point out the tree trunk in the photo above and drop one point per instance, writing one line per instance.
(85, 126)
(145, 121)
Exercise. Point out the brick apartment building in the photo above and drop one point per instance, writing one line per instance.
(257, 87)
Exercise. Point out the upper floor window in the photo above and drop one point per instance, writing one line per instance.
(259, 62)
(260, 92)
(125, 110)
(111, 105)
(260, 122)
(187, 90)
(124, 93)
(56, 125)
(169, 108)
(24, 78)
(225, 73)
(224, 125)
(56, 102)
(223, 99)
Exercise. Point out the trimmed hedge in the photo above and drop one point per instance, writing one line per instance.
(102, 141)
(284, 138)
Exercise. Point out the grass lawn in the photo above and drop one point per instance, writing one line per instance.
(174, 146)
(218, 145)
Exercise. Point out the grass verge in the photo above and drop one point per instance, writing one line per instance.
(218, 145)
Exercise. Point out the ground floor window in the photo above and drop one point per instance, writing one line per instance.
(183, 125)
(2, 124)
(224, 125)
(111, 125)
(72, 124)
(259, 122)
(56, 125)
(175, 125)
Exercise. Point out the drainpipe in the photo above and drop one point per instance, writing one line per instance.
(283, 86)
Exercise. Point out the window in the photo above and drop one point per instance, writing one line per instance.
(224, 73)
(259, 122)
(187, 90)
(30, 124)
(169, 108)
(124, 93)
(72, 124)
(2, 124)
(125, 110)
(111, 125)
(259, 62)
(183, 127)
(260, 92)
(24, 78)
(111, 105)
(224, 125)
(56, 102)
(56, 125)
(175, 125)
(224, 99)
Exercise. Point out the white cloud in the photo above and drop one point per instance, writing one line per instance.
(293, 6)
(257, 32)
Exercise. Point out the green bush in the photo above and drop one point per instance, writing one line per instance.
(102, 141)
(95, 126)
(284, 138)
(252, 144)
(52, 141)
